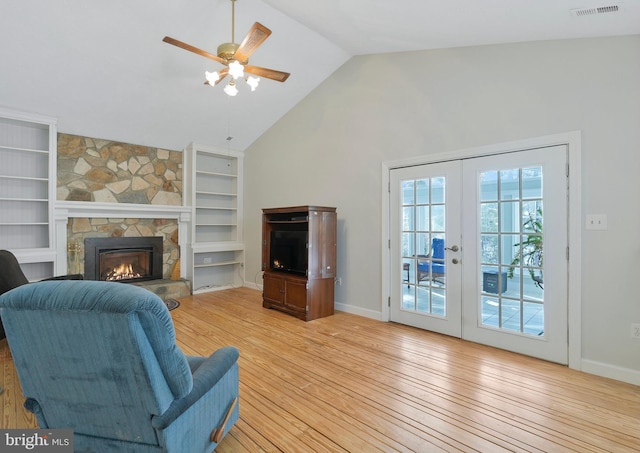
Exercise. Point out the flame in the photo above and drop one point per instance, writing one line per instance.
(122, 272)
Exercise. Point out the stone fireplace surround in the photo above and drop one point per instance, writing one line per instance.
(80, 229)
(67, 212)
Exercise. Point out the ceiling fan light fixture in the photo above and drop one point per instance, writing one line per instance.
(235, 57)
(236, 69)
(253, 82)
(212, 77)
(231, 88)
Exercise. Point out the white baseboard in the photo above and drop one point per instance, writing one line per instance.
(337, 305)
(358, 311)
(611, 371)
(253, 286)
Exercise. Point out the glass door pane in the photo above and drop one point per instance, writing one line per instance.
(423, 232)
(511, 249)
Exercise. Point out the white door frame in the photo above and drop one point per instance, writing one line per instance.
(574, 145)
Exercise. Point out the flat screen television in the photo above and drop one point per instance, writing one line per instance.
(288, 251)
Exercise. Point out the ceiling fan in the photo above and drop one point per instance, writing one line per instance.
(236, 58)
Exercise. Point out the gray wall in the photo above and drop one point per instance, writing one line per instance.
(328, 150)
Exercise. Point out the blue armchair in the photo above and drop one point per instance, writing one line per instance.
(432, 268)
(101, 358)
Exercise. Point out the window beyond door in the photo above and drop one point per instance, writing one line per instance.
(511, 249)
(423, 239)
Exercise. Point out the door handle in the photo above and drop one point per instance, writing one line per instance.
(454, 248)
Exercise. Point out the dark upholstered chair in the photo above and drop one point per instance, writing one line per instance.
(101, 358)
(434, 268)
(11, 276)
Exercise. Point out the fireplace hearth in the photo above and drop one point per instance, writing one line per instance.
(123, 259)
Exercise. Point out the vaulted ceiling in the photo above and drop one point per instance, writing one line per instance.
(102, 69)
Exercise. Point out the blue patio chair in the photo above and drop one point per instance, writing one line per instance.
(101, 358)
(433, 268)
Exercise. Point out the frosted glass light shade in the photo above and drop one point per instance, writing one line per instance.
(231, 88)
(236, 69)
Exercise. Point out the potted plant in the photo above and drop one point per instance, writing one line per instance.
(530, 252)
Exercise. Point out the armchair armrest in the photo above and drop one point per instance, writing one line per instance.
(204, 378)
(34, 407)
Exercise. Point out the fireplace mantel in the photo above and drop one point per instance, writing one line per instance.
(68, 209)
(64, 210)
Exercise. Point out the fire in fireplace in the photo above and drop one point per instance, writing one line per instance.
(123, 259)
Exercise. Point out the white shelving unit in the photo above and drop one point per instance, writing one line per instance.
(215, 195)
(27, 190)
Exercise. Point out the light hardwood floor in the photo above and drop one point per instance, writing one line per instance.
(347, 383)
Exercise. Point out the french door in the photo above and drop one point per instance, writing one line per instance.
(426, 202)
(479, 247)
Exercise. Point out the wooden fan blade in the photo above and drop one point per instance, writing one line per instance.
(272, 74)
(190, 48)
(223, 74)
(254, 38)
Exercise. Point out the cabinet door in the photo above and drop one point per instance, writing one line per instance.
(315, 244)
(296, 294)
(273, 289)
(266, 238)
(328, 244)
(322, 244)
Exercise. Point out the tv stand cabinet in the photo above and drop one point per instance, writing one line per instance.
(308, 296)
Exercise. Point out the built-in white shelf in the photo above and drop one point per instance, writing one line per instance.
(222, 263)
(27, 186)
(222, 194)
(23, 223)
(211, 173)
(215, 196)
(25, 178)
(24, 150)
(216, 224)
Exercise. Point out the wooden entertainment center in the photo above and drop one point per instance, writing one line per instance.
(299, 260)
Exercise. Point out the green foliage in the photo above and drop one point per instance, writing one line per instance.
(530, 252)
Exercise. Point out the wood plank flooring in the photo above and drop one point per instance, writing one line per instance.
(347, 383)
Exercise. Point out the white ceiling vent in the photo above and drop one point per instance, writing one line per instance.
(598, 10)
